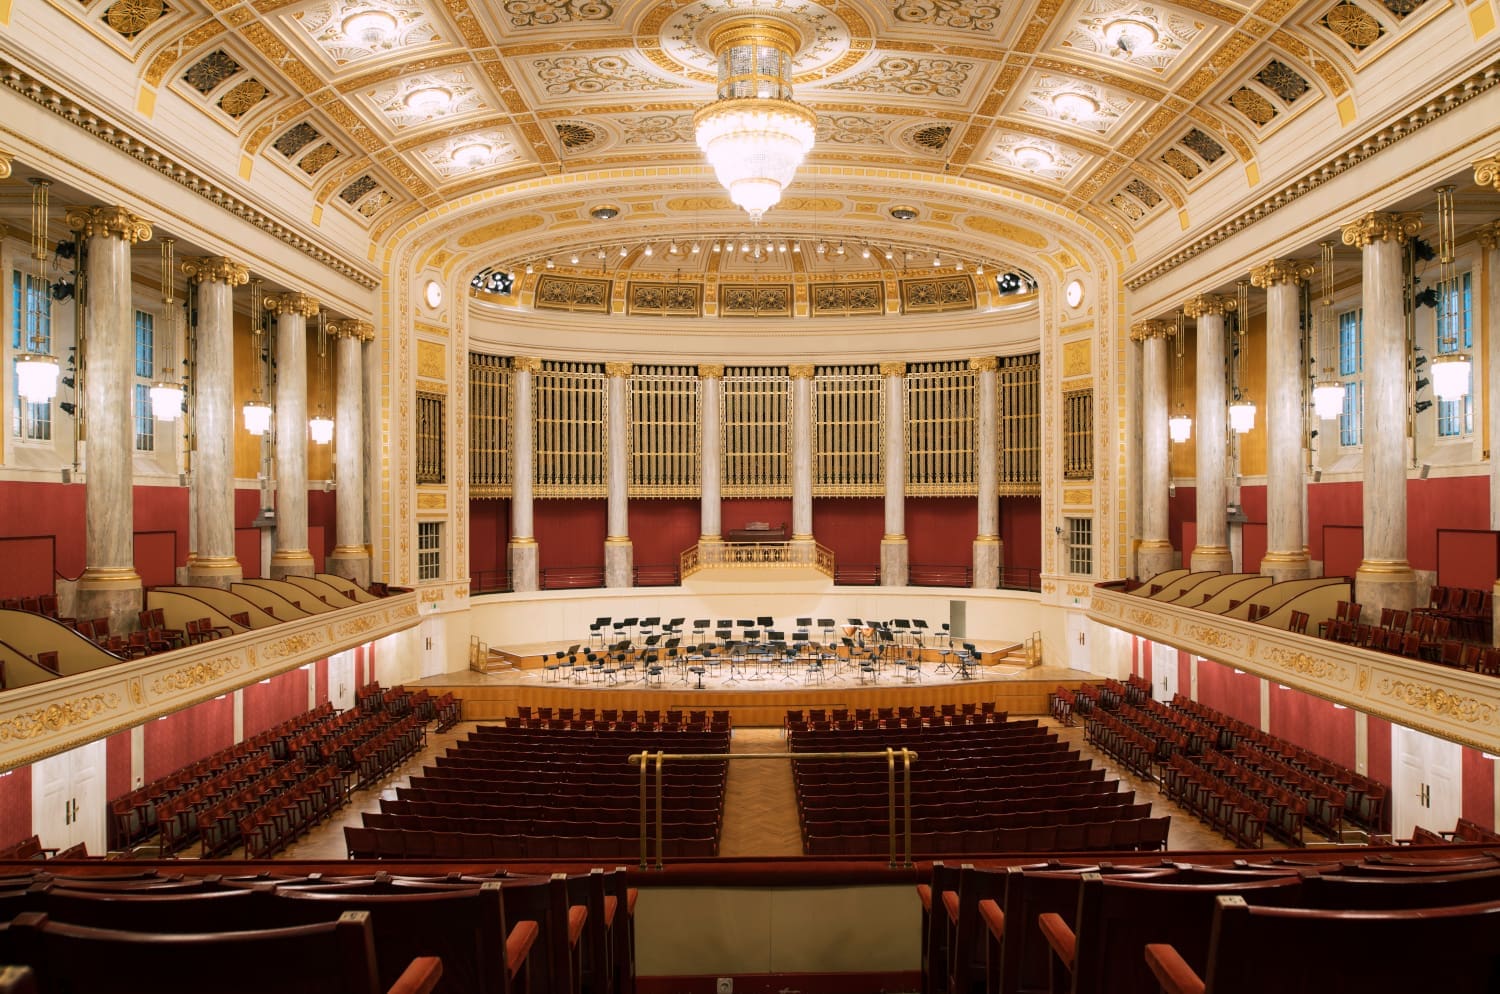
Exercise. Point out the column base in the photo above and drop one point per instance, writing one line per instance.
(1281, 566)
(351, 563)
(894, 554)
(214, 571)
(291, 562)
(1379, 584)
(522, 554)
(1212, 559)
(114, 593)
(989, 556)
(619, 559)
(1153, 557)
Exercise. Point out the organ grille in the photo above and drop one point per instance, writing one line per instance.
(1078, 435)
(664, 432)
(430, 423)
(571, 429)
(757, 431)
(848, 432)
(942, 408)
(489, 426)
(1020, 459)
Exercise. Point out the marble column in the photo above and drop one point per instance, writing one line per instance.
(802, 383)
(1384, 578)
(1154, 555)
(290, 556)
(350, 557)
(618, 552)
(894, 553)
(989, 551)
(109, 587)
(711, 417)
(1286, 431)
(213, 562)
(522, 549)
(1211, 552)
(1489, 242)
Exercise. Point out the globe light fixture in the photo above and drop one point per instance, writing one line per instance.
(370, 28)
(257, 415)
(166, 400)
(1450, 375)
(1073, 106)
(754, 134)
(320, 428)
(1242, 416)
(429, 100)
(36, 376)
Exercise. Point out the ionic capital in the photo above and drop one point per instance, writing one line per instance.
(362, 331)
(526, 364)
(215, 269)
(1487, 172)
(893, 368)
(801, 371)
(1379, 226)
(1152, 328)
(710, 371)
(290, 303)
(1208, 304)
(618, 368)
(984, 363)
(103, 222)
(1293, 271)
(5, 160)
(1489, 235)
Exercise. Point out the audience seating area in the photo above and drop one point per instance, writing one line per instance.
(1092, 928)
(543, 792)
(1454, 631)
(454, 934)
(984, 785)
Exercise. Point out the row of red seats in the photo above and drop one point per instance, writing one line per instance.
(627, 716)
(1325, 803)
(405, 843)
(1133, 748)
(1286, 810)
(1145, 834)
(987, 809)
(1216, 801)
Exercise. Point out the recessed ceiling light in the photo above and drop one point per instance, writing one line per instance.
(472, 155)
(370, 28)
(429, 100)
(903, 213)
(604, 212)
(1074, 106)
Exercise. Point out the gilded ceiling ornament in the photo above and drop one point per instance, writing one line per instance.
(1353, 25)
(575, 136)
(1209, 304)
(1074, 102)
(1382, 226)
(710, 371)
(295, 138)
(215, 269)
(362, 331)
(1128, 207)
(1257, 108)
(526, 364)
(1402, 7)
(374, 205)
(618, 368)
(211, 70)
(1181, 163)
(318, 158)
(1487, 172)
(911, 76)
(541, 13)
(352, 193)
(131, 17)
(1294, 271)
(825, 34)
(572, 74)
(1489, 236)
(103, 222)
(958, 14)
(984, 363)
(849, 129)
(403, 100)
(470, 152)
(5, 161)
(927, 139)
(1282, 80)
(1156, 37)
(1200, 144)
(659, 129)
(242, 97)
(389, 25)
(1033, 154)
(1139, 189)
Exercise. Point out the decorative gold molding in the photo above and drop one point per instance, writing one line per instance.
(710, 371)
(618, 368)
(430, 501)
(1470, 710)
(1152, 328)
(57, 717)
(1487, 172)
(215, 269)
(354, 328)
(893, 368)
(5, 160)
(1077, 358)
(290, 303)
(1489, 236)
(1382, 226)
(1308, 665)
(526, 364)
(103, 222)
(432, 361)
(195, 675)
(1209, 303)
(1294, 271)
(801, 371)
(984, 363)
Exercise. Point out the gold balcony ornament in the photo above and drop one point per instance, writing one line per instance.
(755, 135)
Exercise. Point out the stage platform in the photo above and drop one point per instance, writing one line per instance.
(761, 697)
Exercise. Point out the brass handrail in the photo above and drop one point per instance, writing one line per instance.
(644, 760)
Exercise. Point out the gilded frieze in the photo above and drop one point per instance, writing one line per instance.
(1307, 665)
(58, 717)
(1442, 703)
(196, 675)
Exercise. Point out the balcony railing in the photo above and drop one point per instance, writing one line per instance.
(758, 554)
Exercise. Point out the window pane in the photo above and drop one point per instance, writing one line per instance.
(145, 423)
(1351, 418)
(145, 341)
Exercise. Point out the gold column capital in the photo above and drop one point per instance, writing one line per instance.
(893, 368)
(1489, 235)
(1487, 172)
(215, 269)
(801, 371)
(103, 222)
(1207, 304)
(1293, 271)
(618, 368)
(984, 363)
(290, 303)
(5, 160)
(1152, 328)
(710, 371)
(526, 364)
(1380, 226)
(354, 328)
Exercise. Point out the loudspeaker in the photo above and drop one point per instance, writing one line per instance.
(1426, 468)
(1317, 475)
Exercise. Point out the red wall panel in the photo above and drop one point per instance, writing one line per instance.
(1343, 549)
(661, 529)
(15, 806)
(270, 702)
(489, 534)
(320, 685)
(1021, 531)
(1479, 788)
(1331, 504)
(156, 557)
(940, 530)
(28, 565)
(740, 511)
(1182, 508)
(570, 532)
(46, 509)
(1184, 671)
(1253, 503)
(183, 736)
(1467, 558)
(1253, 546)
(1313, 724)
(852, 527)
(246, 537)
(117, 765)
(1236, 694)
(1378, 750)
(1450, 502)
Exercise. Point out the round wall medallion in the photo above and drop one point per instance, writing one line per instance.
(1073, 293)
(433, 294)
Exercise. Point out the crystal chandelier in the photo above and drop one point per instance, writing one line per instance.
(167, 393)
(1450, 366)
(37, 369)
(1328, 390)
(755, 135)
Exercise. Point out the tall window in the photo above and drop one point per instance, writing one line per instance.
(1456, 417)
(145, 364)
(31, 329)
(429, 550)
(1352, 372)
(1080, 535)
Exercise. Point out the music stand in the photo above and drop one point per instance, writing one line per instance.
(828, 626)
